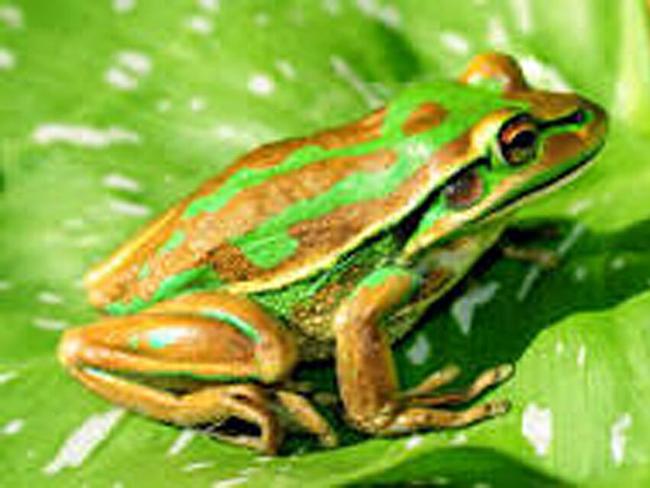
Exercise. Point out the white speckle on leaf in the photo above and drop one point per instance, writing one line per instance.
(249, 471)
(571, 239)
(120, 79)
(261, 84)
(387, 14)
(209, 5)
(286, 69)
(123, 6)
(497, 36)
(522, 12)
(537, 428)
(7, 376)
(13, 427)
(129, 208)
(455, 42)
(579, 206)
(79, 135)
(580, 273)
(463, 308)
(7, 59)
(344, 71)
(332, 7)
(197, 104)
(119, 181)
(481, 484)
(130, 67)
(419, 352)
(230, 482)
(226, 132)
(4, 285)
(86, 242)
(535, 270)
(200, 24)
(163, 105)
(618, 263)
(559, 348)
(618, 437)
(440, 481)
(262, 19)
(49, 298)
(47, 323)
(458, 439)
(188, 468)
(78, 446)
(181, 442)
(413, 442)
(135, 61)
(243, 136)
(582, 355)
(11, 16)
(543, 75)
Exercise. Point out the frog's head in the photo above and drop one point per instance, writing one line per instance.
(532, 142)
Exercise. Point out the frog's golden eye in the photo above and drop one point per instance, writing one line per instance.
(518, 140)
(464, 189)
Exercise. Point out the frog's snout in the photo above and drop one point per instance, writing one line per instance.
(593, 133)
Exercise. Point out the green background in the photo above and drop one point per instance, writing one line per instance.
(113, 109)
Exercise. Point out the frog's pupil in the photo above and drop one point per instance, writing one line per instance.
(465, 189)
(524, 140)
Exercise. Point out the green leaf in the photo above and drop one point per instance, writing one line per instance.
(112, 110)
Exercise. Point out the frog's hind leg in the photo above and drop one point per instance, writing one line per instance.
(212, 405)
(198, 359)
(366, 372)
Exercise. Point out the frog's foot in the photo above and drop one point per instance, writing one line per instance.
(200, 359)
(414, 412)
(412, 409)
(544, 258)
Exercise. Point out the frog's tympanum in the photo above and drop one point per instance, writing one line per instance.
(331, 245)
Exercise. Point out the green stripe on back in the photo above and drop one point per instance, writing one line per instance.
(269, 244)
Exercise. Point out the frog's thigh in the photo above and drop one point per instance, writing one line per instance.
(189, 344)
(366, 372)
(199, 336)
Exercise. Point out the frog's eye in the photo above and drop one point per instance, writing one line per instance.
(518, 140)
(464, 189)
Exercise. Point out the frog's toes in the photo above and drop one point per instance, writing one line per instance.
(300, 414)
(545, 258)
(415, 418)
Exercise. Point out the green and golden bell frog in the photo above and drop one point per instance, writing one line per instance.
(327, 246)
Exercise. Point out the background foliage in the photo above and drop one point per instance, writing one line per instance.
(111, 110)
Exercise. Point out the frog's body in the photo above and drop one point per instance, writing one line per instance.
(329, 240)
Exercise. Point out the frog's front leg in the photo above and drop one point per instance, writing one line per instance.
(366, 372)
(198, 359)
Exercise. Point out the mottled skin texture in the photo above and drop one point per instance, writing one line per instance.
(327, 245)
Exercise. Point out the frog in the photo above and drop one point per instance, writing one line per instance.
(329, 247)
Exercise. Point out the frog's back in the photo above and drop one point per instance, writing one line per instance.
(279, 214)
